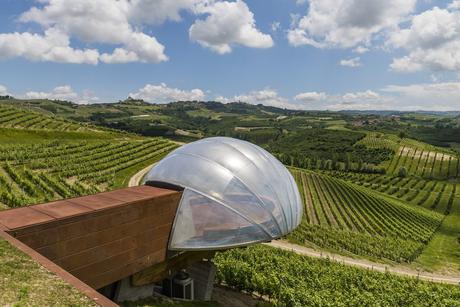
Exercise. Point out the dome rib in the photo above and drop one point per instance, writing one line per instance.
(266, 155)
(240, 181)
(235, 194)
(269, 185)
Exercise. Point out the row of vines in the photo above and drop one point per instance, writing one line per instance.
(43, 172)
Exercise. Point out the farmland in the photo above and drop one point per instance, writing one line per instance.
(374, 195)
(297, 280)
(417, 158)
(49, 171)
(344, 216)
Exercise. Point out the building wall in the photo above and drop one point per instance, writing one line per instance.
(101, 238)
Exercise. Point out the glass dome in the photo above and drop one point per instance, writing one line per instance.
(235, 193)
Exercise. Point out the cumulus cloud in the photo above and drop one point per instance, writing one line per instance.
(347, 23)
(353, 62)
(159, 11)
(3, 90)
(120, 23)
(360, 49)
(308, 97)
(432, 40)
(63, 92)
(454, 5)
(427, 96)
(161, 93)
(267, 97)
(101, 21)
(53, 46)
(227, 24)
(276, 25)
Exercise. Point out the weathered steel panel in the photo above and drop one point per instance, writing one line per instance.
(100, 238)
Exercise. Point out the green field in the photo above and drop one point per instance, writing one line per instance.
(357, 200)
(343, 216)
(417, 158)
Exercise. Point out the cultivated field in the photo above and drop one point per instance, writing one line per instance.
(346, 217)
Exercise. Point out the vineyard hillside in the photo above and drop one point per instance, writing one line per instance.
(18, 118)
(346, 217)
(415, 157)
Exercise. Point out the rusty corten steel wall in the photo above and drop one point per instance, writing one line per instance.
(100, 238)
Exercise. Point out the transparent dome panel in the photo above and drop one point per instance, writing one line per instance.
(219, 183)
(246, 170)
(244, 179)
(203, 223)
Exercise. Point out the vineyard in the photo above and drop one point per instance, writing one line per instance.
(343, 216)
(417, 158)
(429, 194)
(48, 171)
(289, 279)
(21, 119)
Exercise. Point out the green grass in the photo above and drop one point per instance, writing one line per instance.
(443, 251)
(24, 282)
(16, 136)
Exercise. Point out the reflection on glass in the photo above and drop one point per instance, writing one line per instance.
(235, 193)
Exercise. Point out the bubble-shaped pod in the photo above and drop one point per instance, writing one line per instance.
(235, 193)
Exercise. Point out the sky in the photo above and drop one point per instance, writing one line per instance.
(298, 54)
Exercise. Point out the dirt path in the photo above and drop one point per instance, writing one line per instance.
(362, 263)
(136, 179)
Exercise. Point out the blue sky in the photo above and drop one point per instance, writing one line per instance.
(316, 54)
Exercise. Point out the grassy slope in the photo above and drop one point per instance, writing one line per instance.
(443, 251)
(24, 282)
(15, 136)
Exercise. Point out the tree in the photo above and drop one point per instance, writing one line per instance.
(402, 172)
(402, 134)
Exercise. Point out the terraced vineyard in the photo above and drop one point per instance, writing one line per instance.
(47, 171)
(417, 158)
(430, 194)
(343, 216)
(21, 119)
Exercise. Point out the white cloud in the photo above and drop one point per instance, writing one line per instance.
(360, 96)
(432, 40)
(161, 93)
(159, 11)
(3, 90)
(427, 96)
(309, 97)
(360, 49)
(52, 46)
(267, 97)
(353, 62)
(347, 23)
(454, 5)
(227, 23)
(365, 100)
(276, 25)
(64, 92)
(101, 21)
